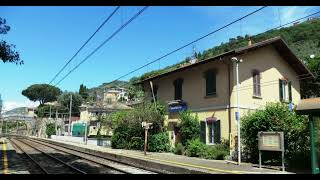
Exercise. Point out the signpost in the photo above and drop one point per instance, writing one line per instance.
(271, 141)
(146, 126)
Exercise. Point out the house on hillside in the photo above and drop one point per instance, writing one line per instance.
(269, 72)
(115, 94)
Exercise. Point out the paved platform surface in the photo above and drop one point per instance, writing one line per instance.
(210, 166)
(11, 162)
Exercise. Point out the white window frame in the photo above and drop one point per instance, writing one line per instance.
(284, 90)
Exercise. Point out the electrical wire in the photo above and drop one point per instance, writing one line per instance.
(103, 23)
(103, 43)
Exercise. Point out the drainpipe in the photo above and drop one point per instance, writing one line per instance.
(229, 102)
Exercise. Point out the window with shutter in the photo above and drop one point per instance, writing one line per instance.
(256, 83)
(203, 131)
(281, 90)
(178, 89)
(210, 77)
(290, 91)
(217, 132)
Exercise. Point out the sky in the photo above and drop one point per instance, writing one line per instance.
(47, 37)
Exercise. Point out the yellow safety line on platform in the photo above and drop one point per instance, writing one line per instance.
(194, 166)
(5, 158)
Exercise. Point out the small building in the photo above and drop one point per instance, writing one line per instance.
(311, 107)
(90, 114)
(270, 72)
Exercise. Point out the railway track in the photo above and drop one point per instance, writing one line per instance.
(84, 163)
(47, 163)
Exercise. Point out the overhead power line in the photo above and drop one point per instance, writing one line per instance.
(190, 43)
(103, 23)
(312, 14)
(104, 42)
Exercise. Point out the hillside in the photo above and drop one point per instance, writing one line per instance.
(303, 39)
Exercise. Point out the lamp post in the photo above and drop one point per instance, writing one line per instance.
(237, 61)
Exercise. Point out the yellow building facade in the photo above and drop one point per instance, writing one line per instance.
(269, 72)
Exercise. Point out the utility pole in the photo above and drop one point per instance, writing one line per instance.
(17, 126)
(50, 110)
(56, 120)
(234, 59)
(70, 107)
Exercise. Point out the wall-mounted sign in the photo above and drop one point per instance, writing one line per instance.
(177, 107)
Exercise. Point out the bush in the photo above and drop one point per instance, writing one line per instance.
(136, 143)
(179, 149)
(277, 117)
(50, 129)
(218, 152)
(127, 124)
(189, 127)
(196, 148)
(123, 134)
(159, 142)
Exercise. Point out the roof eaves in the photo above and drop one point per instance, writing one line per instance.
(185, 67)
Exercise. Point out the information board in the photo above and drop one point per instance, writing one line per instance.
(271, 141)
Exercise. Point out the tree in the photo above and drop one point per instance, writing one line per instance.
(42, 93)
(189, 127)
(64, 100)
(84, 92)
(7, 52)
(311, 87)
(50, 129)
(277, 117)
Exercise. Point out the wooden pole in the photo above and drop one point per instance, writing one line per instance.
(145, 140)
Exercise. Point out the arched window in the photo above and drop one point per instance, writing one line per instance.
(256, 83)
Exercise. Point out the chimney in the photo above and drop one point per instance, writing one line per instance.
(249, 42)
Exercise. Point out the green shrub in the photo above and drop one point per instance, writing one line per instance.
(189, 127)
(179, 149)
(123, 136)
(196, 148)
(50, 129)
(276, 117)
(136, 143)
(159, 142)
(118, 141)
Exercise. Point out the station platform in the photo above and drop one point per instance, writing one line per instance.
(11, 162)
(179, 161)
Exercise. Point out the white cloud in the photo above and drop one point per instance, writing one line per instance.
(291, 13)
(8, 105)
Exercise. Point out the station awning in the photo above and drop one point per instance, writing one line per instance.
(308, 106)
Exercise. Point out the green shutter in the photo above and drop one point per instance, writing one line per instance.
(290, 92)
(210, 83)
(213, 82)
(280, 90)
(217, 132)
(203, 131)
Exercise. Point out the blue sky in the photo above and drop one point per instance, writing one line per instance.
(47, 37)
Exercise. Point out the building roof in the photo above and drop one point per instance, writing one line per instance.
(277, 42)
(309, 106)
(116, 106)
